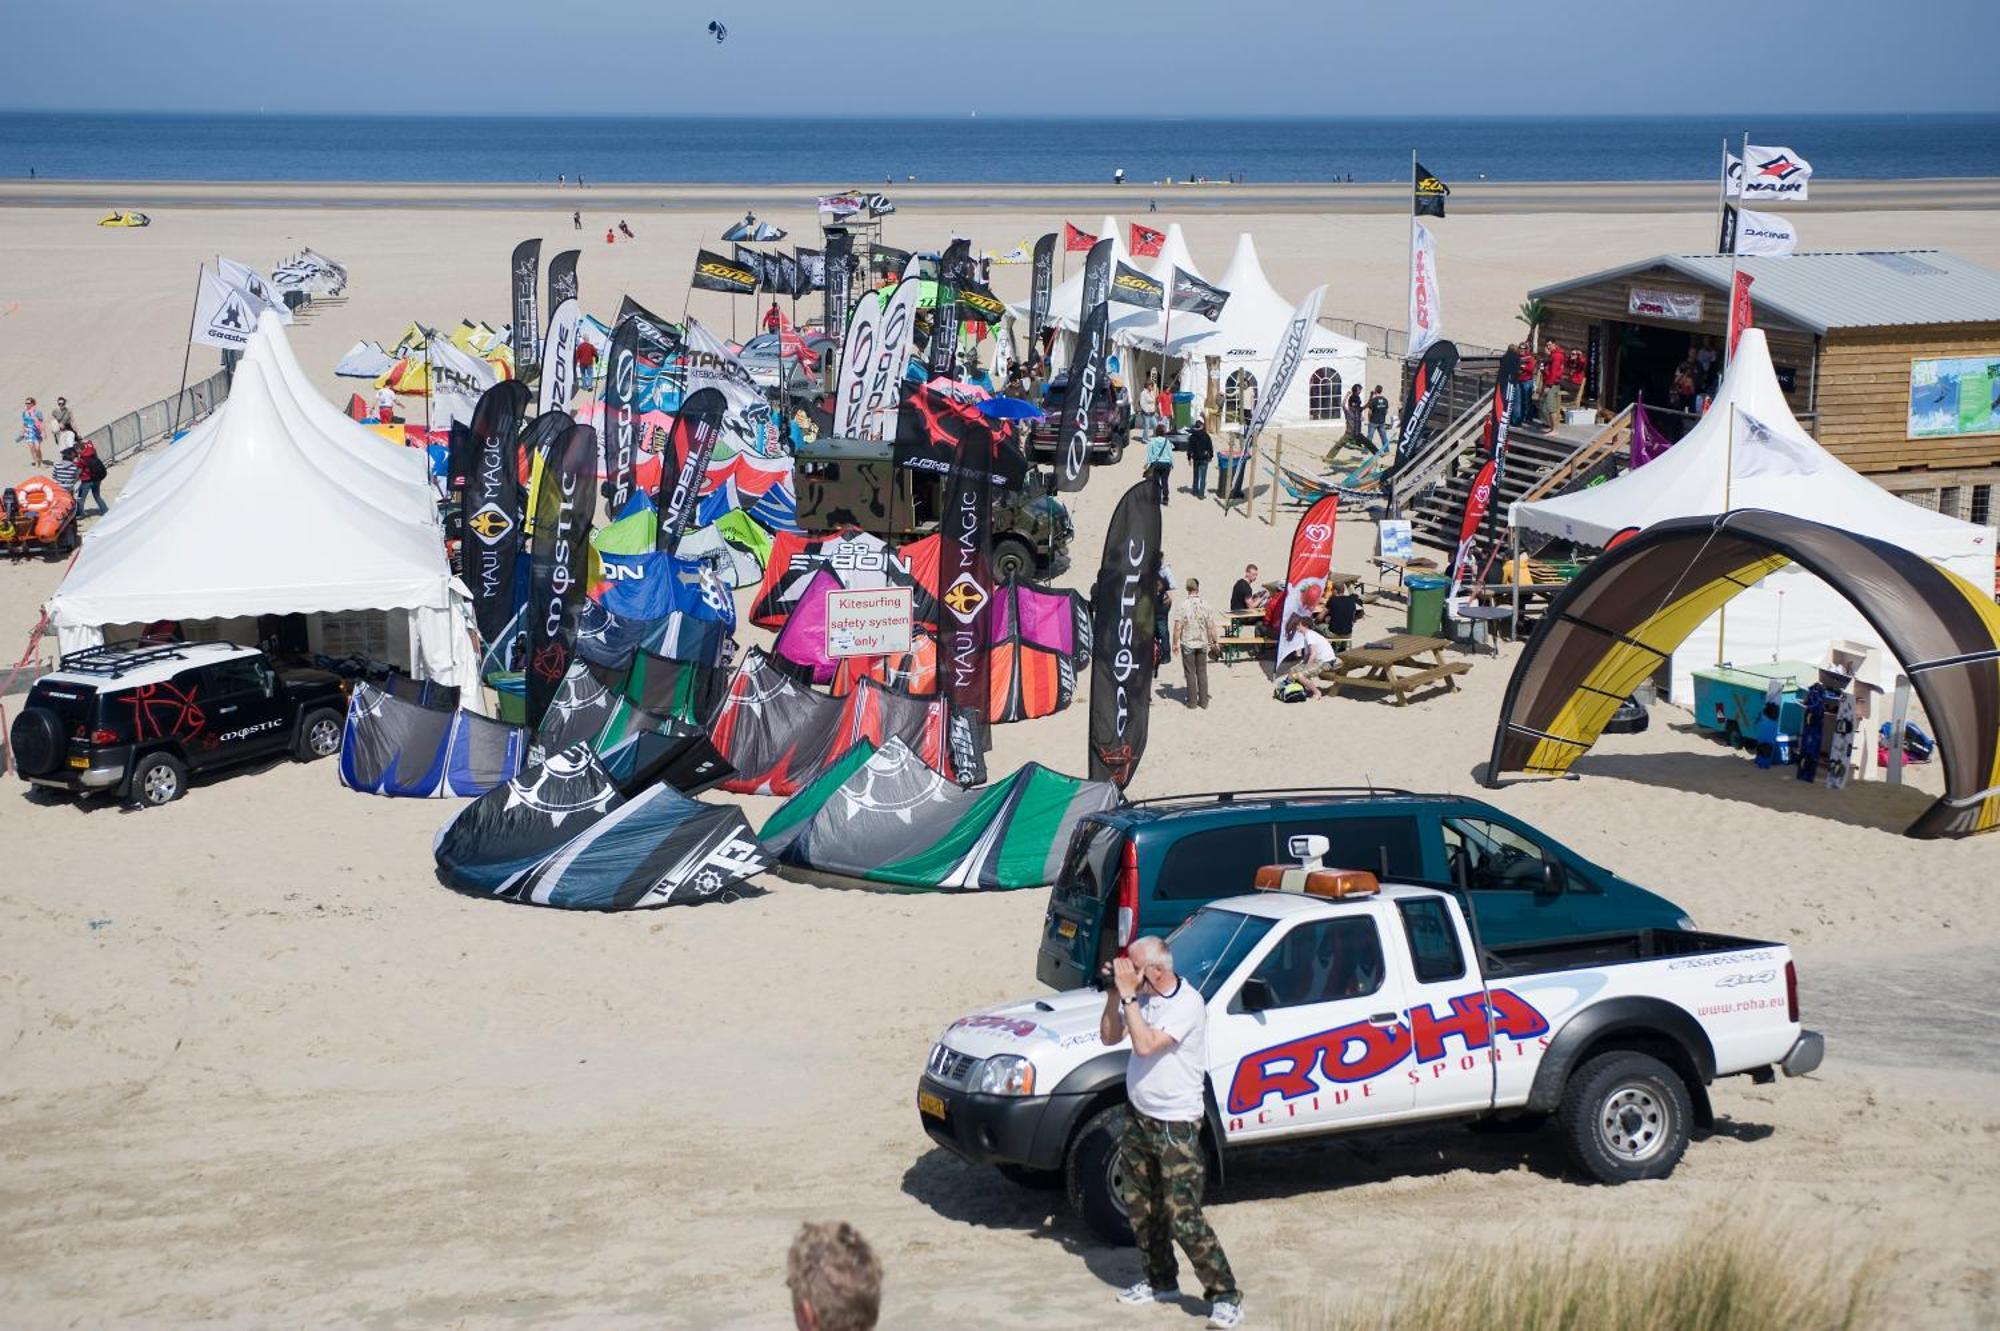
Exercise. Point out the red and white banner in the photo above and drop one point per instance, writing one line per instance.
(1476, 502)
(1077, 242)
(1739, 309)
(1426, 307)
(1312, 542)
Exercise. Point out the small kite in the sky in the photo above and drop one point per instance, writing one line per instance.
(721, 33)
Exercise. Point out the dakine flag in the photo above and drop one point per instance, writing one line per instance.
(1132, 287)
(692, 442)
(1124, 604)
(1097, 275)
(712, 272)
(1038, 292)
(1146, 241)
(526, 271)
(1196, 296)
(839, 279)
(224, 315)
(1429, 193)
(1774, 173)
(562, 277)
(1086, 377)
(965, 575)
(1077, 242)
(491, 505)
(952, 273)
(565, 507)
(621, 418)
(1753, 233)
(1427, 388)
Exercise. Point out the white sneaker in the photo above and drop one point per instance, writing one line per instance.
(1143, 1292)
(1225, 1316)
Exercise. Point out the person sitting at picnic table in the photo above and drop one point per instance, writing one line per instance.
(1246, 594)
(1343, 607)
(1299, 634)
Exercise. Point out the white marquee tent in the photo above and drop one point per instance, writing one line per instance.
(1771, 464)
(275, 505)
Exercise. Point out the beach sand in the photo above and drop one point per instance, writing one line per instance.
(260, 1068)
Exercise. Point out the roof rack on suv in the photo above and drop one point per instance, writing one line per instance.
(117, 658)
(1231, 796)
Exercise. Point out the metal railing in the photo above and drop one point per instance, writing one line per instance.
(1613, 436)
(152, 422)
(1434, 462)
(1391, 342)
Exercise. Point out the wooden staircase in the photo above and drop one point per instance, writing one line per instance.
(1538, 465)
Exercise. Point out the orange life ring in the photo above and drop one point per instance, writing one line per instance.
(48, 503)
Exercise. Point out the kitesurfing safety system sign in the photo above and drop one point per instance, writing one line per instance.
(869, 623)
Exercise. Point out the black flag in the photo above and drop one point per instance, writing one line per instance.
(565, 507)
(562, 277)
(1123, 605)
(839, 280)
(527, 278)
(1038, 293)
(621, 421)
(655, 333)
(954, 272)
(1196, 296)
(1727, 243)
(978, 301)
(538, 440)
(491, 504)
(888, 259)
(1427, 388)
(1428, 193)
(756, 263)
(1086, 377)
(712, 272)
(1096, 276)
(692, 442)
(1129, 286)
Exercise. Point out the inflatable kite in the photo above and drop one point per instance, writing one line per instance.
(1626, 613)
(399, 747)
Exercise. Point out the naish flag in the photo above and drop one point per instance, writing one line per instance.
(888, 259)
(1195, 296)
(1428, 193)
(1129, 286)
(1075, 241)
(224, 314)
(1146, 242)
(1774, 173)
(1465, 560)
(1753, 233)
(524, 273)
(712, 272)
(253, 285)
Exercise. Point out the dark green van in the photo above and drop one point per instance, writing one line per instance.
(1145, 867)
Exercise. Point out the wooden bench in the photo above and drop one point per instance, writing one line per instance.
(1242, 647)
(1400, 685)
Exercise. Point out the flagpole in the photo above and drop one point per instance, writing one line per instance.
(1722, 193)
(1410, 257)
(1728, 473)
(186, 356)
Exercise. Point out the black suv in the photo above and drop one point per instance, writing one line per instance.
(1110, 426)
(136, 720)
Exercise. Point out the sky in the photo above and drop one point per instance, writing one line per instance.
(1023, 57)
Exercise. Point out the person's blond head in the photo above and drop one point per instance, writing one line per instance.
(835, 1281)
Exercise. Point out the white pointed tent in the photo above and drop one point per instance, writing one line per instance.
(1135, 327)
(258, 512)
(1771, 463)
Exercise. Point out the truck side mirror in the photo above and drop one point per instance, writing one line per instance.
(1554, 879)
(1257, 996)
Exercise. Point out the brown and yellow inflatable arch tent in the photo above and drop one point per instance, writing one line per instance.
(1628, 611)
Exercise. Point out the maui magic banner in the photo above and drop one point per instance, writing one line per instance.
(526, 271)
(965, 574)
(565, 507)
(1124, 604)
(491, 504)
(697, 425)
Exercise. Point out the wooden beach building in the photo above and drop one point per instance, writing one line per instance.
(1890, 358)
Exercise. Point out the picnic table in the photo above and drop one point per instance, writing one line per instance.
(1395, 665)
(1243, 636)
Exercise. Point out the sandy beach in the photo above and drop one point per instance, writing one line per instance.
(258, 1067)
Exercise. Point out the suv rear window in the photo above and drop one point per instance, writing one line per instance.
(1221, 862)
(1089, 867)
(1386, 846)
(73, 704)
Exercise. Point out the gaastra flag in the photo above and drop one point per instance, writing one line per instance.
(1146, 241)
(1132, 287)
(1077, 242)
(1196, 296)
(712, 272)
(1429, 193)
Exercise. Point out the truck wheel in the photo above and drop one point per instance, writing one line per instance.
(1625, 1116)
(159, 779)
(1035, 1180)
(319, 736)
(1012, 559)
(1091, 1174)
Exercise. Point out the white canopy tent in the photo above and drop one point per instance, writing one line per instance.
(258, 512)
(1771, 463)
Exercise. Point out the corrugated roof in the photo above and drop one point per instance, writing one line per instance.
(1827, 289)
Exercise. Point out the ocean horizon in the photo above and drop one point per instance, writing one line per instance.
(884, 152)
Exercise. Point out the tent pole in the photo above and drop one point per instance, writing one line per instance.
(1514, 620)
(1729, 470)
(186, 355)
(1722, 192)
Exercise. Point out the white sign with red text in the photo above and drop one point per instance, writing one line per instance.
(871, 622)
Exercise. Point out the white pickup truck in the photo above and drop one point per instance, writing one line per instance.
(1335, 1003)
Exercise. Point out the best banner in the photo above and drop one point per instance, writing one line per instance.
(1124, 604)
(696, 427)
(1038, 293)
(621, 422)
(565, 507)
(952, 274)
(526, 275)
(839, 278)
(1086, 373)
(491, 503)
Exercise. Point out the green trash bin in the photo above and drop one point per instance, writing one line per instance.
(1427, 604)
(1183, 410)
(512, 687)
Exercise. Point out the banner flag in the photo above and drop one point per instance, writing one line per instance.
(1124, 604)
(565, 507)
(457, 379)
(933, 423)
(858, 354)
(562, 277)
(1428, 193)
(1196, 296)
(654, 332)
(979, 301)
(1775, 173)
(1506, 386)
(795, 273)
(1740, 316)
(1427, 388)
(1132, 287)
(1476, 501)
(697, 425)
(892, 353)
(965, 574)
(1077, 242)
(1038, 293)
(1753, 233)
(526, 272)
(1307, 570)
(1285, 360)
(491, 504)
(753, 262)
(953, 275)
(621, 419)
(889, 259)
(224, 315)
(1726, 242)
(812, 266)
(1146, 242)
(1097, 276)
(1732, 175)
(1426, 302)
(559, 356)
(712, 272)
(839, 279)
(252, 284)
(1086, 374)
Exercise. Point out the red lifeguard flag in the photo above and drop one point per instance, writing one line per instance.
(1739, 309)
(1077, 242)
(1146, 242)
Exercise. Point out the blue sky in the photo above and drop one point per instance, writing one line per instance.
(899, 57)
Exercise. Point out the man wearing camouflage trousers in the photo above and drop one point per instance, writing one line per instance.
(1164, 1167)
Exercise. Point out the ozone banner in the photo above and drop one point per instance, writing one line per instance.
(1086, 373)
(526, 272)
(858, 354)
(491, 504)
(621, 421)
(559, 356)
(1038, 295)
(899, 318)
(565, 507)
(696, 427)
(1124, 604)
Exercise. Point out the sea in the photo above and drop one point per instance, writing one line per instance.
(858, 153)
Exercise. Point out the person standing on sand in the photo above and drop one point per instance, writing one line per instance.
(31, 431)
(834, 1278)
(1194, 634)
(1167, 1021)
(64, 422)
(1351, 411)
(1200, 451)
(575, 220)
(1378, 418)
(91, 470)
(385, 404)
(562, 178)
(1159, 463)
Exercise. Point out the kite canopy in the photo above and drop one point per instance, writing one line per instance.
(1629, 610)
(884, 816)
(397, 747)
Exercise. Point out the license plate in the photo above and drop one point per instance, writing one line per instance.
(1067, 928)
(81, 763)
(931, 1104)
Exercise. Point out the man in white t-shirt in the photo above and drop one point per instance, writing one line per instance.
(1165, 1167)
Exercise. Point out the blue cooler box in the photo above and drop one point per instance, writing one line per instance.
(1732, 697)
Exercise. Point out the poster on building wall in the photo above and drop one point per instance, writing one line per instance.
(1952, 396)
(1657, 304)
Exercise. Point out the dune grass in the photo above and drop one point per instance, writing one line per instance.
(1733, 1277)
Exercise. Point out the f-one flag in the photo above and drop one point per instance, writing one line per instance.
(1426, 309)
(224, 315)
(524, 277)
(1196, 296)
(1077, 242)
(712, 272)
(1774, 173)
(1739, 309)
(1038, 292)
(1131, 287)
(1428, 193)
(1123, 606)
(1747, 232)
(253, 285)
(559, 356)
(858, 354)
(1146, 241)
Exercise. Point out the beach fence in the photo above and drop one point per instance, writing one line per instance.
(154, 421)
(1390, 343)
